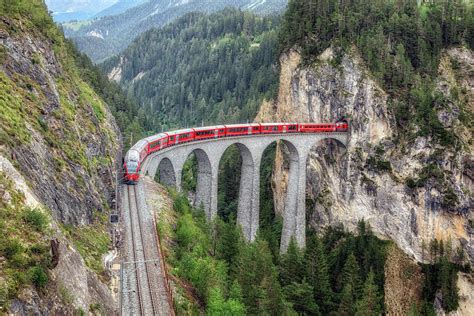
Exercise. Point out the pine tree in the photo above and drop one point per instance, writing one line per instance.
(317, 273)
(370, 302)
(300, 295)
(346, 305)
(235, 291)
(350, 275)
(246, 274)
(217, 305)
(447, 280)
(291, 264)
(271, 301)
(256, 274)
(228, 240)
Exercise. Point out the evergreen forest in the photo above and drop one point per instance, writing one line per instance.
(401, 43)
(338, 273)
(202, 69)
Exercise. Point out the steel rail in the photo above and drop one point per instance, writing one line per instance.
(147, 271)
(137, 276)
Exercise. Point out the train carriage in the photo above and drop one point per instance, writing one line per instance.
(133, 160)
(342, 125)
(157, 142)
(242, 129)
(209, 132)
(316, 128)
(180, 137)
(278, 128)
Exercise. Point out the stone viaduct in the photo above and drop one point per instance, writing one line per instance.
(169, 162)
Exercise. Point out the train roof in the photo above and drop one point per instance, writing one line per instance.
(140, 145)
(242, 125)
(277, 124)
(206, 128)
(181, 131)
(132, 154)
(155, 137)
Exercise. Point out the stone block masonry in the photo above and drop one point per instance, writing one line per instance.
(170, 164)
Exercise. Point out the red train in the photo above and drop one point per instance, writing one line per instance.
(137, 154)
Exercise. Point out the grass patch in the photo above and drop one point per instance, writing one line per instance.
(12, 113)
(24, 242)
(92, 242)
(89, 97)
(36, 218)
(3, 54)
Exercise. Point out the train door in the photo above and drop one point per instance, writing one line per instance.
(216, 133)
(250, 130)
(284, 128)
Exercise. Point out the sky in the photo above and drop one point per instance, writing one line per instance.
(88, 6)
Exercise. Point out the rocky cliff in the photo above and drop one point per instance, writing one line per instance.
(59, 147)
(373, 177)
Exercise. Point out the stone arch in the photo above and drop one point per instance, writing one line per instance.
(339, 140)
(245, 210)
(292, 210)
(288, 159)
(166, 172)
(204, 179)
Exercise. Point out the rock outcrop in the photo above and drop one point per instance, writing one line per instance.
(59, 148)
(368, 179)
(70, 132)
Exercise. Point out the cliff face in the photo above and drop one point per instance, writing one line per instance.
(370, 178)
(59, 146)
(57, 130)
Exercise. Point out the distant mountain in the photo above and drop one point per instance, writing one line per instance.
(110, 35)
(119, 7)
(64, 11)
(63, 17)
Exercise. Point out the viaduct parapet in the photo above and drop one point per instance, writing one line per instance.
(169, 162)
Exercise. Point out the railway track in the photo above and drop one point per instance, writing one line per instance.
(144, 281)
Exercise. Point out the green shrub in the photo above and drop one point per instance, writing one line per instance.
(43, 124)
(38, 276)
(450, 199)
(412, 183)
(378, 164)
(11, 248)
(384, 165)
(36, 219)
(3, 54)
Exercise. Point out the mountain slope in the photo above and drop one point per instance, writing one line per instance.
(59, 147)
(110, 35)
(402, 75)
(64, 11)
(220, 75)
(119, 7)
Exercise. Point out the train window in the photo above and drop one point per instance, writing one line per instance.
(155, 144)
(292, 127)
(275, 128)
(255, 128)
(132, 166)
(171, 137)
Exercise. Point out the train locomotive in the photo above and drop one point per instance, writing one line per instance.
(137, 154)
